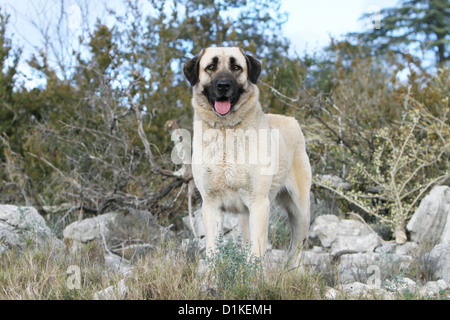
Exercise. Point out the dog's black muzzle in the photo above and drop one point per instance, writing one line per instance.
(223, 93)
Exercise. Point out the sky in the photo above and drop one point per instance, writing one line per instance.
(309, 27)
(311, 22)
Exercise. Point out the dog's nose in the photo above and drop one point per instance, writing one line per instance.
(223, 85)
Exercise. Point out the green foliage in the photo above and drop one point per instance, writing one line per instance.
(400, 172)
(393, 163)
(10, 119)
(234, 269)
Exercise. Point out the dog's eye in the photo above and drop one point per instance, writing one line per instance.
(211, 67)
(236, 68)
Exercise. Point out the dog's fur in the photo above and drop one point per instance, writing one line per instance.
(225, 101)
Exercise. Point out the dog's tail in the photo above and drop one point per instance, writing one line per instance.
(299, 207)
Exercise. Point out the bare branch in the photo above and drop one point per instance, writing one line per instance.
(155, 167)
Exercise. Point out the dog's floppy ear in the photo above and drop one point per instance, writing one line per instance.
(191, 69)
(253, 67)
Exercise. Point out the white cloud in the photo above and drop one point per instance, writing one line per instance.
(312, 22)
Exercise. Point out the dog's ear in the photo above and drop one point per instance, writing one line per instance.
(191, 69)
(253, 67)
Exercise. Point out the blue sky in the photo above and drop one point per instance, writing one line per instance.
(309, 27)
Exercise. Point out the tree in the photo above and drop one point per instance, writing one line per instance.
(156, 46)
(422, 22)
(99, 131)
(8, 71)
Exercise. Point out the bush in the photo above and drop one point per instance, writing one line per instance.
(400, 173)
(234, 269)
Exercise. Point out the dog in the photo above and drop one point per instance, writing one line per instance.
(232, 138)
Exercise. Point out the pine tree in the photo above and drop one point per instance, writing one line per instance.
(422, 22)
(7, 73)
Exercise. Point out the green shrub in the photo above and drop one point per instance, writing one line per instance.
(235, 270)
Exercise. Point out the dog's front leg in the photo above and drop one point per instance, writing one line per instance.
(259, 224)
(213, 221)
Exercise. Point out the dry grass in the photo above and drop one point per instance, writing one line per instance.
(166, 273)
(41, 274)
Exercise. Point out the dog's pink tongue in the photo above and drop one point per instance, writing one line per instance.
(222, 107)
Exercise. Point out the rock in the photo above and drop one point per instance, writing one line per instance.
(230, 223)
(386, 247)
(442, 284)
(401, 285)
(445, 237)
(440, 260)
(316, 259)
(343, 236)
(347, 244)
(22, 226)
(116, 228)
(91, 229)
(356, 290)
(117, 264)
(134, 251)
(358, 266)
(139, 225)
(408, 248)
(431, 288)
(430, 224)
(353, 267)
(325, 228)
(408, 284)
(331, 294)
(115, 292)
(384, 295)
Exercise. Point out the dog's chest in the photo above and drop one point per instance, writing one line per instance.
(226, 177)
(224, 160)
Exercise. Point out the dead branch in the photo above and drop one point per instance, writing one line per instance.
(151, 159)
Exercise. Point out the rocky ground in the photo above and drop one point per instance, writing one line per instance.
(357, 261)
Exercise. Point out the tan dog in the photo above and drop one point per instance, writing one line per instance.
(244, 160)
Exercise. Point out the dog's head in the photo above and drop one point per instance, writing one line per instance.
(221, 77)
